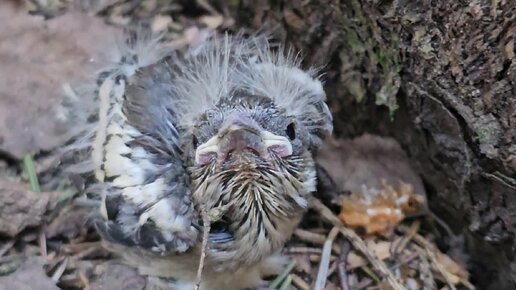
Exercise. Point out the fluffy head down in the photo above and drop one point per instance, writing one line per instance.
(213, 71)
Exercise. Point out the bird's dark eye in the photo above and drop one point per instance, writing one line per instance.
(195, 142)
(291, 131)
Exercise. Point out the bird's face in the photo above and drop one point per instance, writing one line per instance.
(252, 158)
(243, 132)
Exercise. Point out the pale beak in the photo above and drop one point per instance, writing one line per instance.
(236, 137)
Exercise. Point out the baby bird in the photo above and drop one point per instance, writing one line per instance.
(228, 126)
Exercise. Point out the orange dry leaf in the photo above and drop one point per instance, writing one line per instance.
(379, 211)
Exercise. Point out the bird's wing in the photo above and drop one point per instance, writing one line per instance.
(146, 202)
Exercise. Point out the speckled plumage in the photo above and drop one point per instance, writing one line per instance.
(229, 125)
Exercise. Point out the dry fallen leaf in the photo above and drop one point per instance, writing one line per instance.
(379, 211)
(30, 275)
(160, 23)
(21, 208)
(117, 277)
(368, 161)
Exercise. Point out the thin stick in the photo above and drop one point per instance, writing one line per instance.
(299, 282)
(358, 244)
(440, 268)
(204, 249)
(311, 237)
(6, 247)
(42, 240)
(322, 274)
(60, 270)
(429, 248)
(414, 228)
(342, 264)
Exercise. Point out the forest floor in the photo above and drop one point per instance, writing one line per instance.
(49, 48)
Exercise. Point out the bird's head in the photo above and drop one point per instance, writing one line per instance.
(253, 119)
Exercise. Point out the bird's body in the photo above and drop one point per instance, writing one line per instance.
(228, 127)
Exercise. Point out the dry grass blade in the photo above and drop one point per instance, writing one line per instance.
(30, 169)
(322, 274)
(358, 243)
(286, 283)
(274, 284)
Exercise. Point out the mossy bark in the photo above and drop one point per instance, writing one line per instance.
(440, 77)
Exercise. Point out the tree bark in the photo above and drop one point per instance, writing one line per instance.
(440, 77)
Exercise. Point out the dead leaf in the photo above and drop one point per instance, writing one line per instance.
(118, 277)
(30, 275)
(36, 58)
(21, 208)
(212, 22)
(369, 161)
(160, 23)
(69, 223)
(379, 210)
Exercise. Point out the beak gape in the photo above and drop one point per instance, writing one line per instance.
(236, 135)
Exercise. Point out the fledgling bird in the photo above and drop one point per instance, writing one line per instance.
(228, 126)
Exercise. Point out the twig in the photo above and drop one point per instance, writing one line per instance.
(303, 250)
(322, 274)
(59, 271)
(342, 263)
(429, 249)
(43, 242)
(440, 268)
(358, 244)
(84, 280)
(371, 274)
(310, 236)
(299, 282)
(6, 247)
(414, 228)
(205, 233)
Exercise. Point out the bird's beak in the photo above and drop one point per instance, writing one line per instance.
(236, 136)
